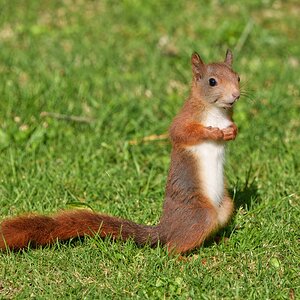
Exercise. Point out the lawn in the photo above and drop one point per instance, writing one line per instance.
(123, 68)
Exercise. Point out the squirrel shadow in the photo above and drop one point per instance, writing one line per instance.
(245, 197)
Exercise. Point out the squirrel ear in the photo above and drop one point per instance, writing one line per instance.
(229, 57)
(198, 66)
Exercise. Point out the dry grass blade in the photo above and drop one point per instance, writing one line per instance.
(150, 138)
(58, 116)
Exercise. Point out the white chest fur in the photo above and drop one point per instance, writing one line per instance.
(210, 157)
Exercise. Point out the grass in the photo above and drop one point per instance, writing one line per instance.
(125, 67)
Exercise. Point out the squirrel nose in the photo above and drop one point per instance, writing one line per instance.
(236, 95)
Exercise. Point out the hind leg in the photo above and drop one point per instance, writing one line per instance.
(186, 227)
(225, 211)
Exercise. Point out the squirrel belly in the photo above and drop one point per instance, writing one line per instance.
(210, 160)
(210, 156)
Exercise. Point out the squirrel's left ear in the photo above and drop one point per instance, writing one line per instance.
(229, 57)
(198, 66)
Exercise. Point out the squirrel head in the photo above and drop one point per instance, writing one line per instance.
(215, 83)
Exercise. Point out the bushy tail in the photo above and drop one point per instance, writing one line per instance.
(37, 230)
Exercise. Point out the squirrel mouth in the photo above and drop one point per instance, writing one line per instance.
(228, 105)
(224, 104)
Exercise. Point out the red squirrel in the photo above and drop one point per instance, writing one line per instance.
(196, 201)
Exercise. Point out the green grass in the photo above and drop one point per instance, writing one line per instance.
(125, 66)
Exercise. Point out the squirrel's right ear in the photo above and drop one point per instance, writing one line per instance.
(198, 66)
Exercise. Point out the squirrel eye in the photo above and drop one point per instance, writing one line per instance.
(212, 82)
(239, 79)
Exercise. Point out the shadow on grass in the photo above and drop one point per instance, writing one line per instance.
(245, 197)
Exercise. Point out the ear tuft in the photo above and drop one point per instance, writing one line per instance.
(229, 58)
(198, 66)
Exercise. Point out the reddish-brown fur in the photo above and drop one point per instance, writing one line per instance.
(188, 217)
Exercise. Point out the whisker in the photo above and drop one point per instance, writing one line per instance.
(248, 97)
(245, 91)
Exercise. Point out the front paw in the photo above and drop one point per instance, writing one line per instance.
(230, 132)
(214, 133)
